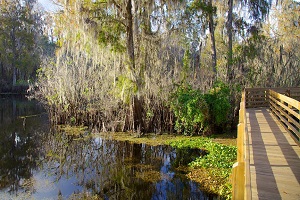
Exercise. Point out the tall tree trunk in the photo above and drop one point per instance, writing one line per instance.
(229, 32)
(135, 19)
(1, 70)
(14, 81)
(14, 110)
(136, 102)
(129, 32)
(14, 51)
(281, 54)
(212, 37)
(200, 51)
(2, 115)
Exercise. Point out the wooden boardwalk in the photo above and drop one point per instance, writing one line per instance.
(274, 158)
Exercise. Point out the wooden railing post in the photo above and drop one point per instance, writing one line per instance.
(240, 142)
(238, 186)
(238, 169)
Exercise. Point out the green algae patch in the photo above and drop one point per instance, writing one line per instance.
(149, 139)
(163, 139)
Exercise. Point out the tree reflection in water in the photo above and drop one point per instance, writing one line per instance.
(117, 170)
(19, 141)
(37, 163)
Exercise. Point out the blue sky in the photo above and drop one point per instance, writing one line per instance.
(48, 5)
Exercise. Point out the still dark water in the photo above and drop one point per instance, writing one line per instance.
(38, 163)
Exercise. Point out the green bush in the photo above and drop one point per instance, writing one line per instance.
(190, 109)
(219, 105)
(196, 112)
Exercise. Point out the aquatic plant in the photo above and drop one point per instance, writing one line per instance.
(213, 169)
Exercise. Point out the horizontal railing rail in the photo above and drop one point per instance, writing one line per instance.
(259, 97)
(256, 97)
(287, 110)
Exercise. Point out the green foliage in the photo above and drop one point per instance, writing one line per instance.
(110, 29)
(219, 105)
(52, 99)
(217, 162)
(20, 33)
(196, 112)
(111, 34)
(190, 109)
(203, 6)
(219, 156)
(125, 88)
(72, 120)
(186, 155)
(21, 83)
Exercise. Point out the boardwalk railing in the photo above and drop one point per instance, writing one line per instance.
(287, 110)
(283, 103)
(259, 97)
(240, 172)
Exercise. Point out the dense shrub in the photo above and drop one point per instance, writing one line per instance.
(190, 109)
(219, 106)
(200, 113)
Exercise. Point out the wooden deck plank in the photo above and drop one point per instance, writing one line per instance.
(274, 158)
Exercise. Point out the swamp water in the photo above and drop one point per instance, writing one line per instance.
(37, 163)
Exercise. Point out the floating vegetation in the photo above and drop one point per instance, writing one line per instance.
(83, 195)
(211, 170)
(161, 139)
(149, 139)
